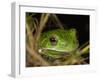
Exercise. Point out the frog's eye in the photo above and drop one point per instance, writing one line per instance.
(53, 40)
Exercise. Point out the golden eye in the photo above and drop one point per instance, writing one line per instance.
(53, 40)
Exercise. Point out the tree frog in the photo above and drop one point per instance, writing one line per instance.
(58, 42)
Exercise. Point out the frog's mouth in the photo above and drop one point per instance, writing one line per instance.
(53, 49)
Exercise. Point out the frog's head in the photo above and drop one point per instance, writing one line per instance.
(59, 40)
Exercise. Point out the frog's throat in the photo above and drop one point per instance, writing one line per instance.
(53, 49)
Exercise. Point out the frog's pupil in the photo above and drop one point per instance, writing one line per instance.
(53, 40)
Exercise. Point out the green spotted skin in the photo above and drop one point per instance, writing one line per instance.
(58, 42)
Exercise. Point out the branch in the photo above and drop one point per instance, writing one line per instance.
(43, 20)
(30, 36)
(57, 21)
(38, 57)
(84, 50)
